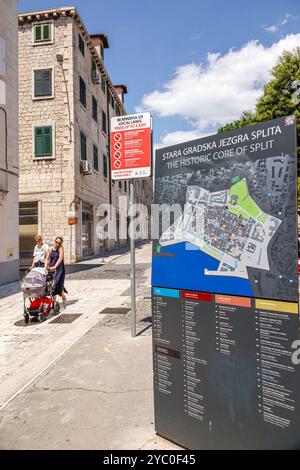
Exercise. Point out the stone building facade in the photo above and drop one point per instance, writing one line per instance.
(9, 164)
(66, 102)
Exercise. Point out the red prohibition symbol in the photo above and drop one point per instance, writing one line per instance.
(117, 146)
(117, 164)
(118, 137)
(117, 154)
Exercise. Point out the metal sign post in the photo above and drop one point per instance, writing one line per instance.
(131, 152)
(132, 259)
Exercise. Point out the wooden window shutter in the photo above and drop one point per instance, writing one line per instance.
(38, 33)
(82, 146)
(38, 144)
(43, 141)
(46, 32)
(43, 82)
(47, 141)
(96, 162)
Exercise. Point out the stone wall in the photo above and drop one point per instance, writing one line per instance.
(48, 181)
(58, 184)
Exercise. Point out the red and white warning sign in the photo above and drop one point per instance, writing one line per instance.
(131, 146)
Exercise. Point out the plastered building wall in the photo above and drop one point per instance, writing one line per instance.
(9, 159)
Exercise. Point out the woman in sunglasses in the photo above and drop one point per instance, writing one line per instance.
(55, 262)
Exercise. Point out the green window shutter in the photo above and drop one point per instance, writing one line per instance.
(103, 84)
(43, 141)
(42, 32)
(96, 162)
(42, 83)
(83, 146)
(104, 127)
(81, 44)
(46, 32)
(48, 141)
(111, 100)
(37, 33)
(95, 109)
(38, 144)
(82, 91)
(104, 166)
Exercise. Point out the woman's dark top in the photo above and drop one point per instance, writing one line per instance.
(59, 275)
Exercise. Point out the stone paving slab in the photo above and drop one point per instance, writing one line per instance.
(27, 350)
(99, 395)
(85, 385)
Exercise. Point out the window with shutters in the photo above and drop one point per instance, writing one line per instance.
(104, 124)
(105, 170)
(95, 109)
(96, 158)
(112, 100)
(94, 66)
(82, 91)
(81, 44)
(43, 83)
(43, 143)
(42, 32)
(83, 152)
(103, 84)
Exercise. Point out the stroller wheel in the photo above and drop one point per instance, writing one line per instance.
(56, 308)
(41, 317)
(26, 318)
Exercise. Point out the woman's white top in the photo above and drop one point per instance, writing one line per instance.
(40, 253)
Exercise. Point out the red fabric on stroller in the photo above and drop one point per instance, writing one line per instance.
(39, 302)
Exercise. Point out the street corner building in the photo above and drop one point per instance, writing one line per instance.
(9, 164)
(66, 100)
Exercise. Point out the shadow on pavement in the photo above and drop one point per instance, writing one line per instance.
(77, 268)
(9, 289)
(145, 320)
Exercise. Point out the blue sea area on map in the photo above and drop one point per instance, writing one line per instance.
(185, 270)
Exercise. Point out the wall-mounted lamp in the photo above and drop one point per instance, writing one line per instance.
(60, 58)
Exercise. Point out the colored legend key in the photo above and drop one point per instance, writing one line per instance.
(234, 301)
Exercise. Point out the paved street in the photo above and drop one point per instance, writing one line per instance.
(85, 384)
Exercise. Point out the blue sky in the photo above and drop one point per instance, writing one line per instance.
(194, 64)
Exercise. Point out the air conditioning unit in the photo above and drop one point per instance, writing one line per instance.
(85, 167)
(96, 76)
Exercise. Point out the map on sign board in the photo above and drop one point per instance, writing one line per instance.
(227, 225)
(236, 232)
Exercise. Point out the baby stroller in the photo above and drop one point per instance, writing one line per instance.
(38, 287)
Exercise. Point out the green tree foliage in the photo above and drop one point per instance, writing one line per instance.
(246, 119)
(278, 99)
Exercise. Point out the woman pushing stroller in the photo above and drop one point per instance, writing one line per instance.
(54, 261)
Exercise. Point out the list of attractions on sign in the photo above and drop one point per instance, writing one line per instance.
(131, 146)
(225, 291)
